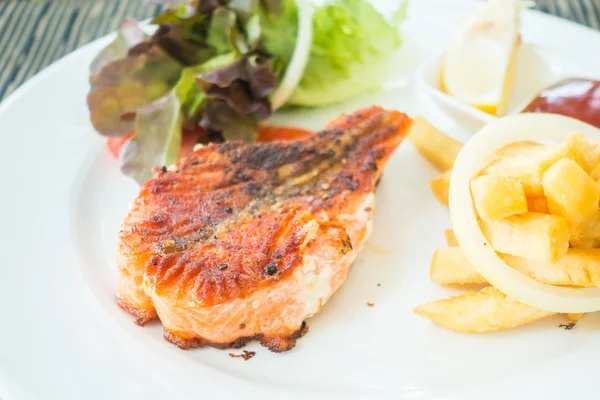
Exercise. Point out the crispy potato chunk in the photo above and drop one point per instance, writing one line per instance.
(449, 266)
(595, 173)
(483, 311)
(517, 149)
(527, 168)
(441, 150)
(538, 204)
(440, 187)
(533, 201)
(534, 236)
(581, 242)
(529, 165)
(571, 192)
(578, 268)
(582, 151)
(497, 196)
(587, 235)
(450, 238)
(574, 317)
(594, 142)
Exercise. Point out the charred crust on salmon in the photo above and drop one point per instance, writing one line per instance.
(276, 344)
(243, 232)
(142, 316)
(270, 269)
(279, 344)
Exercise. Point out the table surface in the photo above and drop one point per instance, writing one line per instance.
(33, 34)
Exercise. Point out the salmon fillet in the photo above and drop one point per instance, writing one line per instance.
(243, 242)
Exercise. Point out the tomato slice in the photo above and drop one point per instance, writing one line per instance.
(189, 139)
(191, 136)
(271, 133)
(114, 144)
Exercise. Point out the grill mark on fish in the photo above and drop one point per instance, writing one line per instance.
(274, 190)
(252, 208)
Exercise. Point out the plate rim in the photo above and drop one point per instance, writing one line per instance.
(47, 73)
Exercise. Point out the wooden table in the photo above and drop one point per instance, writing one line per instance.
(33, 34)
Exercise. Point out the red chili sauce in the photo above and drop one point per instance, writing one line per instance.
(576, 97)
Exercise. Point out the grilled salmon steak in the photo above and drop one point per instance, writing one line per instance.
(246, 241)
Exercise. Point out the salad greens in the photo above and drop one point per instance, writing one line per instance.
(158, 132)
(217, 65)
(352, 44)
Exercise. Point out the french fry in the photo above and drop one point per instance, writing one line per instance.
(518, 149)
(533, 201)
(440, 186)
(594, 142)
(441, 150)
(584, 242)
(538, 204)
(449, 266)
(534, 236)
(527, 168)
(529, 164)
(574, 317)
(571, 192)
(483, 311)
(582, 151)
(595, 173)
(450, 238)
(578, 268)
(588, 234)
(497, 196)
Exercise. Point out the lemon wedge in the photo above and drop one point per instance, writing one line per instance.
(479, 64)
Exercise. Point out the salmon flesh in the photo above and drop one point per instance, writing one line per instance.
(243, 242)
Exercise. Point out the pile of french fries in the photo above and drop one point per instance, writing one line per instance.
(538, 206)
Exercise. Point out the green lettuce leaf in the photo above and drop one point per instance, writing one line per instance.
(233, 125)
(208, 6)
(222, 30)
(278, 31)
(237, 97)
(214, 64)
(157, 138)
(352, 47)
(180, 37)
(120, 87)
(191, 95)
(129, 35)
(225, 95)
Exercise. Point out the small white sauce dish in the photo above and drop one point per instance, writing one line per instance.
(537, 69)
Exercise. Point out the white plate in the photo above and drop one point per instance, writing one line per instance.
(63, 337)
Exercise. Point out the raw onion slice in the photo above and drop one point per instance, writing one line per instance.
(295, 69)
(523, 127)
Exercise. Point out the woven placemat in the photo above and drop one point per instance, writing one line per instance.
(33, 34)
